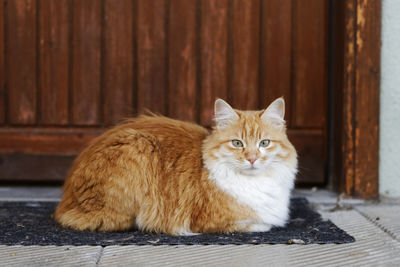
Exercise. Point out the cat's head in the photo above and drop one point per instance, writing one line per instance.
(249, 142)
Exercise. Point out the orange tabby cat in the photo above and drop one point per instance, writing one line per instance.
(164, 175)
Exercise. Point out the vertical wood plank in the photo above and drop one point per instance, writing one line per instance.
(152, 56)
(182, 60)
(275, 54)
(2, 64)
(86, 68)
(21, 63)
(54, 61)
(346, 101)
(214, 47)
(245, 23)
(357, 69)
(366, 135)
(310, 30)
(118, 60)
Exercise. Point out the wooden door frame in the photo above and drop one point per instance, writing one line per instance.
(356, 85)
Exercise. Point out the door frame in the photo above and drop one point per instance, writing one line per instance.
(356, 91)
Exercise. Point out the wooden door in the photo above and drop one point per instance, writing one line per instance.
(70, 68)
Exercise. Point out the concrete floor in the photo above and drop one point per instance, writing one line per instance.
(375, 225)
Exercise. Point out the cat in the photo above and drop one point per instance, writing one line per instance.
(162, 175)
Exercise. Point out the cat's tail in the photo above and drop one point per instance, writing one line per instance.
(76, 219)
(97, 220)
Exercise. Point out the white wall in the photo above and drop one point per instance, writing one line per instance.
(389, 152)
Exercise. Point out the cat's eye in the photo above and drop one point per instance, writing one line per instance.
(237, 143)
(264, 143)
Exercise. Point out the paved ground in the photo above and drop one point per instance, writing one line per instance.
(375, 225)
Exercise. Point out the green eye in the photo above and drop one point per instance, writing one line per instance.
(237, 143)
(264, 143)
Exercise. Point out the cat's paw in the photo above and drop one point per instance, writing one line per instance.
(190, 234)
(185, 232)
(260, 227)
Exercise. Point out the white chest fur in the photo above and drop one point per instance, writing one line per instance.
(268, 195)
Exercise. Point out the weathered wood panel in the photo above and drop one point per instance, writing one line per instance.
(367, 94)
(21, 61)
(310, 33)
(86, 62)
(152, 53)
(54, 61)
(244, 54)
(182, 47)
(357, 94)
(275, 53)
(214, 56)
(118, 59)
(347, 94)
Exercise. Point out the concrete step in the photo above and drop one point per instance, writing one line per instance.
(387, 217)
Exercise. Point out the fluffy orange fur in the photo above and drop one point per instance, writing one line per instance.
(149, 173)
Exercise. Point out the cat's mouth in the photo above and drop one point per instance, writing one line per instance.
(251, 169)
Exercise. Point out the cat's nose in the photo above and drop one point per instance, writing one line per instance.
(251, 160)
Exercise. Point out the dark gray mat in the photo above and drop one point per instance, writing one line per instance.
(29, 223)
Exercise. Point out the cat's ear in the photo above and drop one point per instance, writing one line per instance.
(225, 115)
(275, 112)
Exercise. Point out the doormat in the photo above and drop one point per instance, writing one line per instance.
(29, 223)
